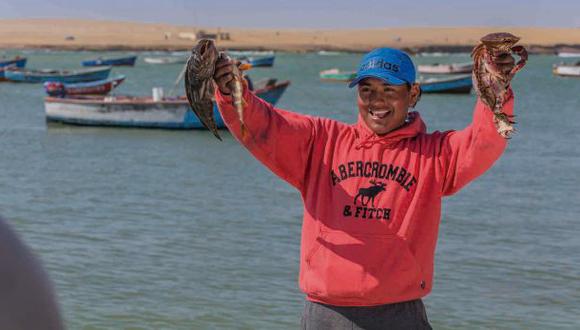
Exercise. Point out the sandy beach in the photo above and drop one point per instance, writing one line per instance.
(115, 35)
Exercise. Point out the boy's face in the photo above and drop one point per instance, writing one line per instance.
(384, 107)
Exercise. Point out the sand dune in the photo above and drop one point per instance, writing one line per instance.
(90, 34)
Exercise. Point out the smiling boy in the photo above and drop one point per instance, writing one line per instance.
(372, 190)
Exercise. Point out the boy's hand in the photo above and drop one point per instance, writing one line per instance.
(224, 73)
(505, 62)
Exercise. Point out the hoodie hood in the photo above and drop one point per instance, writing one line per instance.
(366, 138)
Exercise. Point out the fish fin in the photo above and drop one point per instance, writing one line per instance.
(244, 131)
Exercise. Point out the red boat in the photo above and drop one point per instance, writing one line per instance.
(101, 87)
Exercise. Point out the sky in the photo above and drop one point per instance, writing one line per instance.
(308, 14)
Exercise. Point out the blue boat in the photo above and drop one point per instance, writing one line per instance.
(461, 84)
(64, 76)
(16, 62)
(142, 112)
(118, 61)
(264, 61)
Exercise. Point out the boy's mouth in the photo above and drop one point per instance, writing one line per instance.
(379, 113)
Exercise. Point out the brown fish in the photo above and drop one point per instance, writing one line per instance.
(199, 82)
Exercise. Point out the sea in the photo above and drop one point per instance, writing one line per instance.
(161, 229)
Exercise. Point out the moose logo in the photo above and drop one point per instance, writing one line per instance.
(370, 193)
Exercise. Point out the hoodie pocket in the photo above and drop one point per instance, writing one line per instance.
(361, 268)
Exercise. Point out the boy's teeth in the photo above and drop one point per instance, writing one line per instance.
(378, 112)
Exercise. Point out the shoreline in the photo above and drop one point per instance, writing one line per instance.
(532, 49)
(90, 35)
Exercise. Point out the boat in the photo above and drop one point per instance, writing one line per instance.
(99, 87)
(64, 76)
(567, 70)
(455, 84)
(329, 53)
(569, 54)
(250, 52)
(16, 62)
(142, 112)
(452, 68)
(434, 54)
(165, 60)
(337, 75)
(117, 61)
(263, 61)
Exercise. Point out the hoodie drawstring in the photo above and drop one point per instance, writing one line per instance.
(373, 139)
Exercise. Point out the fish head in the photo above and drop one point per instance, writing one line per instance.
(203, 58)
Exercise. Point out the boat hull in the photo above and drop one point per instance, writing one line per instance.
(266, 61)
(39, 76)
(137, 112)
(335, 75)
(567, 70)
(165, 60)
(459, 85)
(121, 61)
(100, 87)
(455, 68)
(17, 62)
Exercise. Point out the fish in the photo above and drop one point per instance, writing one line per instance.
(199, 88)
(238, 100)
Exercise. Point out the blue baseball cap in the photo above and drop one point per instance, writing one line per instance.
(393, 66)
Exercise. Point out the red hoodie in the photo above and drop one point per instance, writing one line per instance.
(372, 204)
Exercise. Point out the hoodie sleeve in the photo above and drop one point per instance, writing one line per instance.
(280, 139)
(468, 153)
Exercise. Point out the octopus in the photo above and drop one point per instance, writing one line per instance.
(199, 87)
(491, 84)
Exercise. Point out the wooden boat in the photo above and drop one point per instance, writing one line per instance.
(452, 68)
(456, 84)
(117, 61)
(143, 112)
(264, 61)
(17, 62)
(567, 70)
(100, 87)
(65, 76)
(165, 60)
(337, 75)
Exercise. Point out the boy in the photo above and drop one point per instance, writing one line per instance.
(372, 190)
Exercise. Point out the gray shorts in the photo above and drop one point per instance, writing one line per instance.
(405, 315)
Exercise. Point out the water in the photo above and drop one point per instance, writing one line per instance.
(154, 229)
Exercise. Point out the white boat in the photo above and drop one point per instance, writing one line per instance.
(251, 52)
(165, 60)
(434, 54)
(566, 70)
(329, 53)
(568, 54)
(140, 111)
(453, 68)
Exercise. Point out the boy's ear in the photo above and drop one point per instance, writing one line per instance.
(415, 94)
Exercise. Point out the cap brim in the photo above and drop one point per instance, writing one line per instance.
(391, 80)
